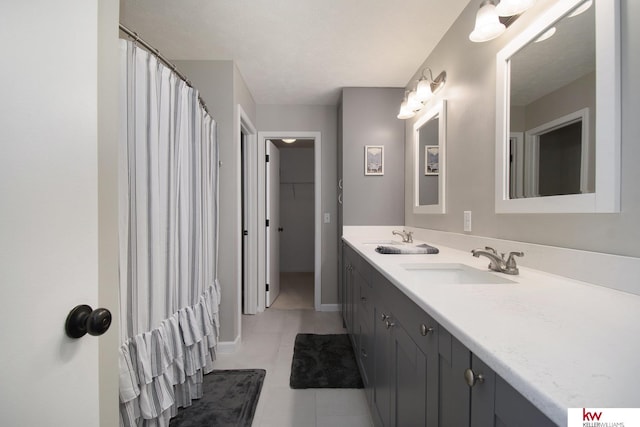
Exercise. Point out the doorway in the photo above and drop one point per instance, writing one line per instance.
(255, 297)
(291, 223)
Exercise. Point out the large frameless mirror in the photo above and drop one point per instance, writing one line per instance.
(429, 141)
(558, 132)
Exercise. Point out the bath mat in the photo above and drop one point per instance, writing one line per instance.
(324, 361)
(229, 398)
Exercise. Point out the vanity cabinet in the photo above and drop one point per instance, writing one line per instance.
(415, 372)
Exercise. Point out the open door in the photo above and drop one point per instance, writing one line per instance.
(49, 172)
(273, 222)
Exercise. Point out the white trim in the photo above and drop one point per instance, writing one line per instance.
(250, 287)
(440, 110)
(317, 137)
(608, 126)
(228, 347)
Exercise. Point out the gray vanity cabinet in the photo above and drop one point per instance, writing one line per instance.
(415, 372)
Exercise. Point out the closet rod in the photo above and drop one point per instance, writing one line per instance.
(136, 38)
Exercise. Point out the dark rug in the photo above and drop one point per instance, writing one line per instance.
(324, 361)
(229, 399)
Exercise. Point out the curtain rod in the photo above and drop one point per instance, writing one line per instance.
(137, 39)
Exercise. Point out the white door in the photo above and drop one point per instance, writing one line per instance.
(273, 219)
(48, 211)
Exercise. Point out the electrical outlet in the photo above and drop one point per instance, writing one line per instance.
(467, 220)
(327, 217)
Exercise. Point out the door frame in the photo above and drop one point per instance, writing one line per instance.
(261, 220)
(252, 262)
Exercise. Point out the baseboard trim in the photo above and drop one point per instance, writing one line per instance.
(228, 347)
(329, 307)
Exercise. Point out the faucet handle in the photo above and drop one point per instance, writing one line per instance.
(510, 266)
(512, 254)
(490, 249)
(409, 236)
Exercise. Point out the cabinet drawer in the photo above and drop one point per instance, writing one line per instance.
(420, 327)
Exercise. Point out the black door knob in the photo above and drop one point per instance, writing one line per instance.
(83, 319)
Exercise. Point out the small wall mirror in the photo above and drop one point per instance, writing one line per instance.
(558, 132)
(429, 140)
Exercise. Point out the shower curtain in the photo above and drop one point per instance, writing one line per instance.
(169, 293)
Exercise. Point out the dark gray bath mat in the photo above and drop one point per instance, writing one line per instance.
(229, 399)
(324, 361)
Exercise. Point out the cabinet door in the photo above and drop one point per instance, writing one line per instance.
(455, 395)
(482, 394)
(347, 289)
(410, 381)
(513, 410)
(381, 390)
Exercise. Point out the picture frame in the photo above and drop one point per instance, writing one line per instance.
(431, 159)
(374, 160)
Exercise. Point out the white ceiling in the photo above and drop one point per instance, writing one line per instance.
(299, 51)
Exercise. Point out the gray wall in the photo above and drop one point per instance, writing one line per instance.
(297, 209)
(323, 119)
(222, 88)
(470, 91)
(369, 118)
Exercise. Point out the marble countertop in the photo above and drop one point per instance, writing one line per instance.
(561, 343)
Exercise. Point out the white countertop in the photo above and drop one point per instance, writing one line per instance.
(560, 342)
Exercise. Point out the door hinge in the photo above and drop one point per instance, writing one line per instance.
(267, 223)
(267, 158)
(267, 287)
(245, 233)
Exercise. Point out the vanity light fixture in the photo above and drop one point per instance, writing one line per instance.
(405, 111)
(488, 25)
(288, 140)
(492, 20)
(513, 7)
(427, 86)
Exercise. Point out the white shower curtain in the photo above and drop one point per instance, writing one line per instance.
(169, 294)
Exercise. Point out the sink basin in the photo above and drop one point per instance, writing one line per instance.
(453, 274)
(383, 242)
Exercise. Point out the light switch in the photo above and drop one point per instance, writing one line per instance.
(467, 220)
(327, 217)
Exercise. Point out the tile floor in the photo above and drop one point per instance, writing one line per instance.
(267, 343)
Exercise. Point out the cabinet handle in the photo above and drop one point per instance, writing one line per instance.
(364, 353)
(340, 184)
(424, 330)
(340, 198)
(389, 323)
(472, 378)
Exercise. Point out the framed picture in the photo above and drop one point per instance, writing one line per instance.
(374, 160)
(432, 159)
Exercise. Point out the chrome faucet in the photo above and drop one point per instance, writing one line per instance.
(407, 236)
(497, 262)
